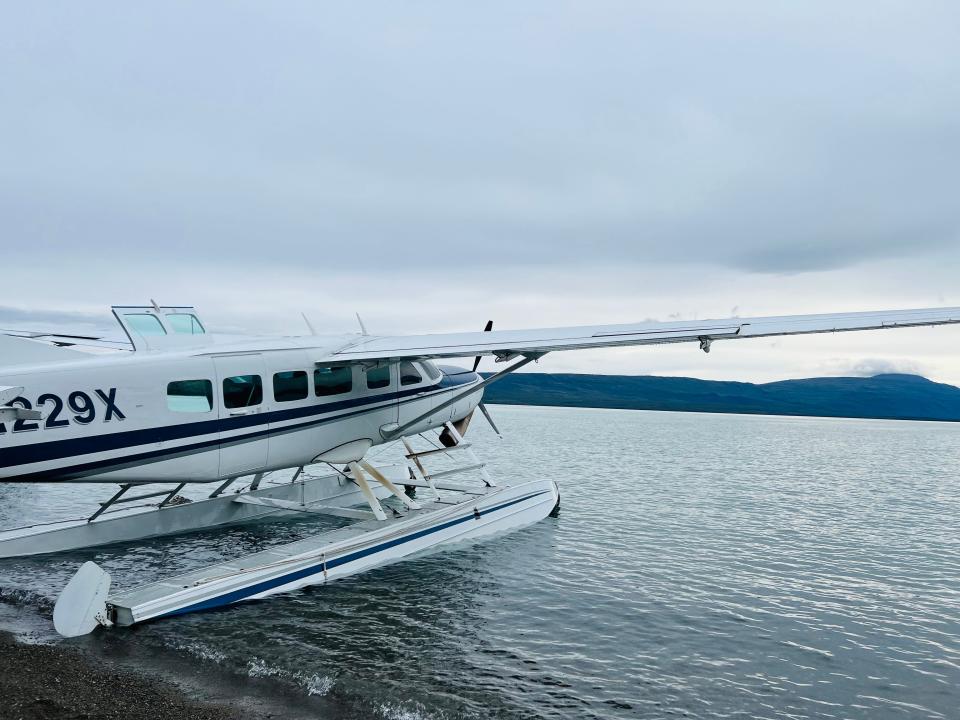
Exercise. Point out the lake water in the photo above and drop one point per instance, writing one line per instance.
(704, 566)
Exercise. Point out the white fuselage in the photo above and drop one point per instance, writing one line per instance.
(202, 416)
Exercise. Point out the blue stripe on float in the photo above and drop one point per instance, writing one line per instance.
(236, 595)
(43, 452)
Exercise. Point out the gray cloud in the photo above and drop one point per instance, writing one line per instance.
(868, 367)
(556, 134)
(12, 318)
(434, 160)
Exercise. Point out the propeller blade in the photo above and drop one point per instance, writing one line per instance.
(487, 328)
(486, 414)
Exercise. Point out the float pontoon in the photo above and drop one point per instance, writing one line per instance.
(453, 513)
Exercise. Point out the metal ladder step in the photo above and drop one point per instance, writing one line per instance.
(454, 471)
(436, 451)
(456, 487)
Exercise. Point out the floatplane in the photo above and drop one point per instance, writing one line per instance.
(173, 405)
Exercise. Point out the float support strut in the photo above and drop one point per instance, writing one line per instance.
(458, 438)
(223, 487)
(381, 478)
(108, 503)
(361, 481)
(414, 460)
(172, 495)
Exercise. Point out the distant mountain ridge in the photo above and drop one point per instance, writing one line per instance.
(892, 396)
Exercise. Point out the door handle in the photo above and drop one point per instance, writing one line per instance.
(234, 413)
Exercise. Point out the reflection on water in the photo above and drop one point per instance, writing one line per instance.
(707, 565)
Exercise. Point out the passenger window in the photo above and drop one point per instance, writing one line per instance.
(190, 396)
(409, 374)
(291, 385)
(378, 377)
(242, 391)
(332, 380)
(185, 324)
(144, 324)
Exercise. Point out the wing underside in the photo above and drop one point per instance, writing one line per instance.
(506, 344)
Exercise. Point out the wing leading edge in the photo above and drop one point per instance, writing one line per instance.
(506, 344)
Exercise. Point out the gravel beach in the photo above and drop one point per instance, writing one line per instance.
(48, 682)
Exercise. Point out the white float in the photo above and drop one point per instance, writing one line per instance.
(453, 513)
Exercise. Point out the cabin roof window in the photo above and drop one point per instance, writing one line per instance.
(409, 375)
(242, 391)
(185, 324)
(332, 380)
(144, 324)
(190, 396)
(290, 385)
(378, 377)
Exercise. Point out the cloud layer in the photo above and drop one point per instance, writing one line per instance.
(433, 164)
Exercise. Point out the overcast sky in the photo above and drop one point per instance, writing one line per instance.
(434, 164)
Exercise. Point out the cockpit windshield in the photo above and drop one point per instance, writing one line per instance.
(185, 324)
(432, 370)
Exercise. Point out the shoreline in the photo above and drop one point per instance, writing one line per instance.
(52, 681)
(117, 675)
(107, 675)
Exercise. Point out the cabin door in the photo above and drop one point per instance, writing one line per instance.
(244, 402)
(378, 388)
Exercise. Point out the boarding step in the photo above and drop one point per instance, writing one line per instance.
(456, 487)
(454, 471)
(436, 451)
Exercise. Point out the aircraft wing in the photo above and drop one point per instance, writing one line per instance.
(63, 340)
(506, 344)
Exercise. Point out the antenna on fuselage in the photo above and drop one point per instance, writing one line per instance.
(363, 328)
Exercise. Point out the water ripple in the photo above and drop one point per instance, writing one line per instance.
(708, 566)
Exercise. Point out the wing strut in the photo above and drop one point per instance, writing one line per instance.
(527, 359)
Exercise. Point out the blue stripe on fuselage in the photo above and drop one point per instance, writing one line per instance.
(62, 449)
